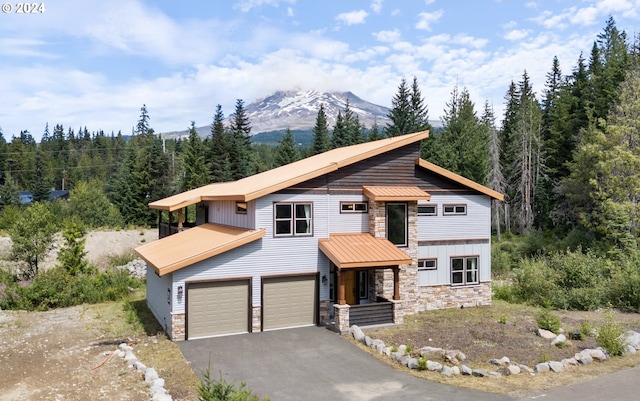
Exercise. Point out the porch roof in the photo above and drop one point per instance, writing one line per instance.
(391, 193)
(361, 250)
(185, 248)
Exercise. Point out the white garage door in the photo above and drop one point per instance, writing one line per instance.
(217, 308)
(289, 302)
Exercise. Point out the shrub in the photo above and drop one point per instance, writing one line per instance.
(220, 390)
(608, 336)
(504, 291)
(548, 320)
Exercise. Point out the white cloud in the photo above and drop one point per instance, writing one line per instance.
(516, 34)
(290, 12)
(353, 17)
(376, 6)
(247, 5)
(387, 36)
(426, 19)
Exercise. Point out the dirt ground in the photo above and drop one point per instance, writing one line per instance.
(486, 333)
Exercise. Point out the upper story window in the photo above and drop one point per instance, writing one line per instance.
(241, 207)
(428, 210)
(458, 209)
(354, 207)
(397, 223)
(464, 270)
(293, 219)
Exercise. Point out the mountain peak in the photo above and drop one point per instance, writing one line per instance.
(298, 109)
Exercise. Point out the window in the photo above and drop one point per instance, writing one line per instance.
(241, 207)
(354, 207)
(454, 209)
(293, 219)
(424, 265)
(397, 223)
(363, 284)
(464, 270)
(427, 210)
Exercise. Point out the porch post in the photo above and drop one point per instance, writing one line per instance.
(159, 223)
(341, 298)
(396, 283)
(179, 219)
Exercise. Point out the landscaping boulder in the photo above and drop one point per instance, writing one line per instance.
(456, 370)
(433, 366)
(479, 373)
(504, 361)
(546, 334)
(598, 354)
(584, 357)
(569, 363)
(542, 367)
(560, 339)
(356, 332)
(495, 374)
(431, 352)
(631, 338)
(465, 370)
(526, 369)
(556, 366)
(446, 371)
(150, 375)
(510, 370)
(413, 363)
(367, 341)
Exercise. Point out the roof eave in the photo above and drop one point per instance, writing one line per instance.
(459, 179)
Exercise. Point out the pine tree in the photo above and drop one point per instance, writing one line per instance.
(220, 148)
(73, 256)
(374, 132)
(321, 142)
(240, 157)
(352, 129)
(495, 179)
(419, 119)
(339, 134)
(400, 114)
(286, 151)
(196, 171)
(41, 186)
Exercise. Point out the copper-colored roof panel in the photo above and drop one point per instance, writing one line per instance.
(361, 250)
(390, 193)
(274, 180)
(194, 245)
(459, 179)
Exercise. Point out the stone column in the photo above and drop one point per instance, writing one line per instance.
(256, 319)
(177, 327)
(341, 316)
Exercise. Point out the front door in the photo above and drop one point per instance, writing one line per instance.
(349, 279)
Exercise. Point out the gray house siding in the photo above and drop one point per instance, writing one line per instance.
(475, 224)
(224, 212)
(160, 297)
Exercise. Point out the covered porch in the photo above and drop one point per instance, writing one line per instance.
(361, 252)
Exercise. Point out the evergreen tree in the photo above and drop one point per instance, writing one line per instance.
(196, 171)
(286, 151)
(374, 132)
(495, 179)
(240, 152)
(41, 188)
(339, 136)
(352, 129)
(321, 140)
(72, 256)
(220, 149)
(419, 118)
(400, 114)
(9, 192)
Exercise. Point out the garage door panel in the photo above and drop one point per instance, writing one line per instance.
(289, 302)
(217, 308)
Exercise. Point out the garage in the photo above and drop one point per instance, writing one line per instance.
(289, 301)
(217, 308)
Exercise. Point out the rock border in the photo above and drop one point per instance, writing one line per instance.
(505, 366)
(150, 375)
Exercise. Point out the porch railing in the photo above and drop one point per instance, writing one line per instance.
(166, 230)
(371, 314)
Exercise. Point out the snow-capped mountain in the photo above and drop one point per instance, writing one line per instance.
(299, 109)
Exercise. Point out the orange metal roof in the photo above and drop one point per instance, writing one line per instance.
(179, 250)
(459, 179)
(377, 193)
(261, 184)
(361, 250)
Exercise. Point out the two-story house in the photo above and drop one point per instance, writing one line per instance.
(363, 234)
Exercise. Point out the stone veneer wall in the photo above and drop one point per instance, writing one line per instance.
(256, 319)
(341, 317)
(325, 314)
(178, 327)
(446, 296)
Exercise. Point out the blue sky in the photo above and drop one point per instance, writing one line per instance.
(95, 63)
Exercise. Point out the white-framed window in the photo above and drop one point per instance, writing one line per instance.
(354, 207)
(424, 265)
(293, 219)
(457, 209)
(241, 207)
(428, 210)
(464, 270)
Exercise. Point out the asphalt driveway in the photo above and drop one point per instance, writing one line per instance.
(313, 364)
